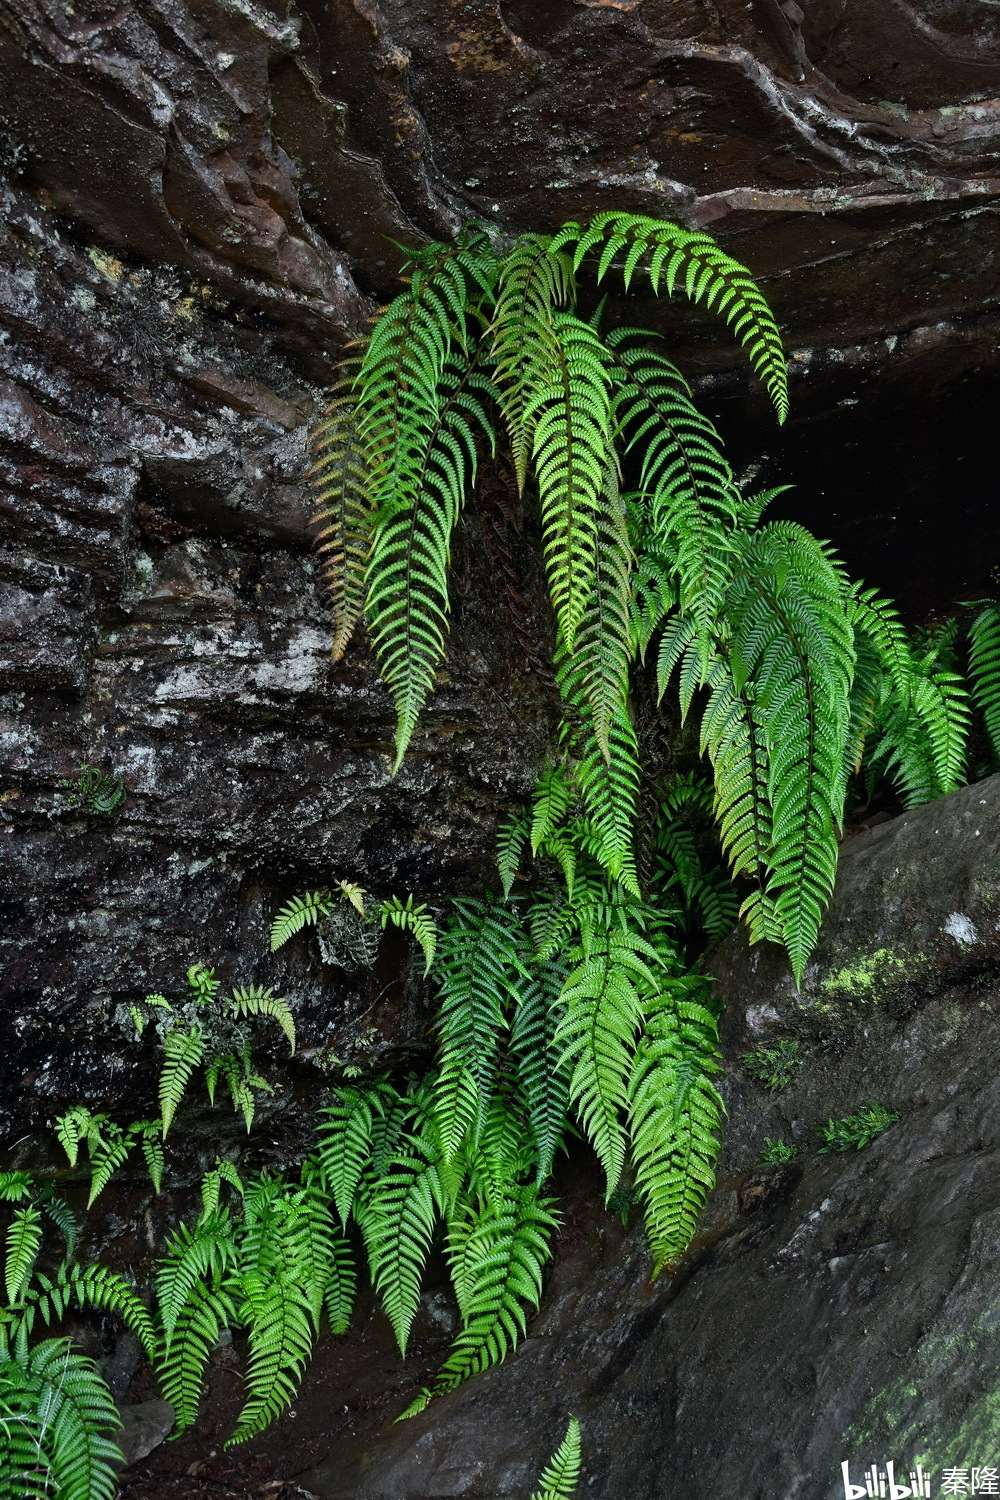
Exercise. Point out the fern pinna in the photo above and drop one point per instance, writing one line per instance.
(798, 677)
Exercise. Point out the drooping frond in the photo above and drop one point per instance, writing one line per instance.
(685, 480)
(258, 1000)
(562, 1475)
(542, 1077)
(984, 671)
(597, 1033)
(75, 1419)
(533, 284)
(675, 1112)
(512, 835)
(694, 264)
(397, 1221)
(570, 453)
(502, 1250)
(276, 1309)
(340, 479)
(413, 917)
(479, 966)
(24, 1238)
(183, 1050)
(407, 584)
(791, 650)
(345, 1135)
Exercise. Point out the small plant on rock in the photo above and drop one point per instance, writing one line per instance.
(213, 1031)
(776, 1066)
(854, 1132)
(774, 1153)
(96, 792)
(562, 1476)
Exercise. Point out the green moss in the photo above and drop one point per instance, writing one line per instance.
(868, 977)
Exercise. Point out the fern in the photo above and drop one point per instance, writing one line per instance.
(479, 962)
(300, 912)
(562, 1475)
(183, 1050)
(56, 1417)
(415, 918)
(24, 1238)
(343, 515)
(704, 272)
(984, 671)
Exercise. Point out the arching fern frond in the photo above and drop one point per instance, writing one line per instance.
(533, 284)
(693, 263)
(479, 968)
(301, 911)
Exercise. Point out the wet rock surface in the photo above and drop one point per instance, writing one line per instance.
(835, 1306)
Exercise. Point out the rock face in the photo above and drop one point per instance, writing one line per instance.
(839, 1306)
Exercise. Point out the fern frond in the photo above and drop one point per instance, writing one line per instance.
(62, 1216)
(675, 1113)
(413, 917)
(181, 1366)
(107, 1156)
(571, 450)
(984, 671)
(685, 480)
(75, 1415)
(276, 1310)
(512, 835)
(301, 911)
(15, 1186)
(501, 1252)
(543, 1080)
(397, 1221)
(479, 966)
(24, 1238)
(560, 1479)
(203, 1256)
(597, 1034)
(340, 479)
(182, 1052)
(407, 598)
(532, 285)
(257, 1000)
(345, 1138)
(693, 263)
(24, 1474)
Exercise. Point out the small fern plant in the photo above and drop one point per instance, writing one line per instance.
(351, 941)
(270, 1264)
(562, 1474)
(57, 1417)
(791, 668)
(212, 1031)
(109, 1145)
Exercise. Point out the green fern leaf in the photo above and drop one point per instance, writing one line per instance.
(561, 1477)
(478, 969)
(512, 835)
(409, 916)
(695, 264)
(542, 1080)
(24, 1238)
(181, 1366)
(182, 1052)
(301, 911)
(984, 671)
(345, 1136)
(397, 1221)
(533, 284)
(597, 1033)
(258, 1000)
(675, 1113)
(502, 1252)
(340, 479)
(276, 1310)
(570, 454)
(75, 1415)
